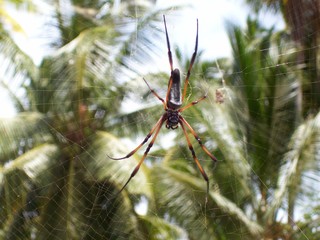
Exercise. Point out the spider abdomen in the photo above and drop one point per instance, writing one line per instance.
(174, 101)
(172, 119)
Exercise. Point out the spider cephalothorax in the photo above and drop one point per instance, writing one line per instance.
(172, 119)
(172, 115)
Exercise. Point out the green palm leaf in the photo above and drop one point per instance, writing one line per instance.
(19, 179)
(102, 168)
(299, 159)
(21, 133)
(158, 228)
(178, 186)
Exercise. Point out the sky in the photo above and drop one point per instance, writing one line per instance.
(212, 16)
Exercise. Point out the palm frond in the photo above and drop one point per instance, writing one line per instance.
(21, 133)
(259, 6)
(225, 134)
(178, 186)
(301, 156)
(269, 94)
(139, 110)
(139, 49)
(15, 61)
(19, 180)
(16, 100)
(102, 168)
(158, 228)
(73, 68)
(33, 162)
(16, 68)
(78, 206)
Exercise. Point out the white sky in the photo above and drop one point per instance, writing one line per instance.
(212, 15)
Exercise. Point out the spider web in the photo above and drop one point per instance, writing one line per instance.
(97, 212)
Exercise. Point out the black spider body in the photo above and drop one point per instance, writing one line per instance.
(175, 101)
(172, 117)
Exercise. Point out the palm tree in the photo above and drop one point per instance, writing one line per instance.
(56, 181)
(264, 158)
(303, 21)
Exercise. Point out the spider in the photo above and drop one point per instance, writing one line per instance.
(172, 115)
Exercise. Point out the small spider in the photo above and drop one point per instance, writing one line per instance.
(172, 115)
(220, 95)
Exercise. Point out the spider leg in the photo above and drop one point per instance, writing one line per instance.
(182, 120)
(155, 94)
(170, 58)
(136, 169)
(204, 175)
(193, 103)
(191, 64)
(168, 43)
(160, 121)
